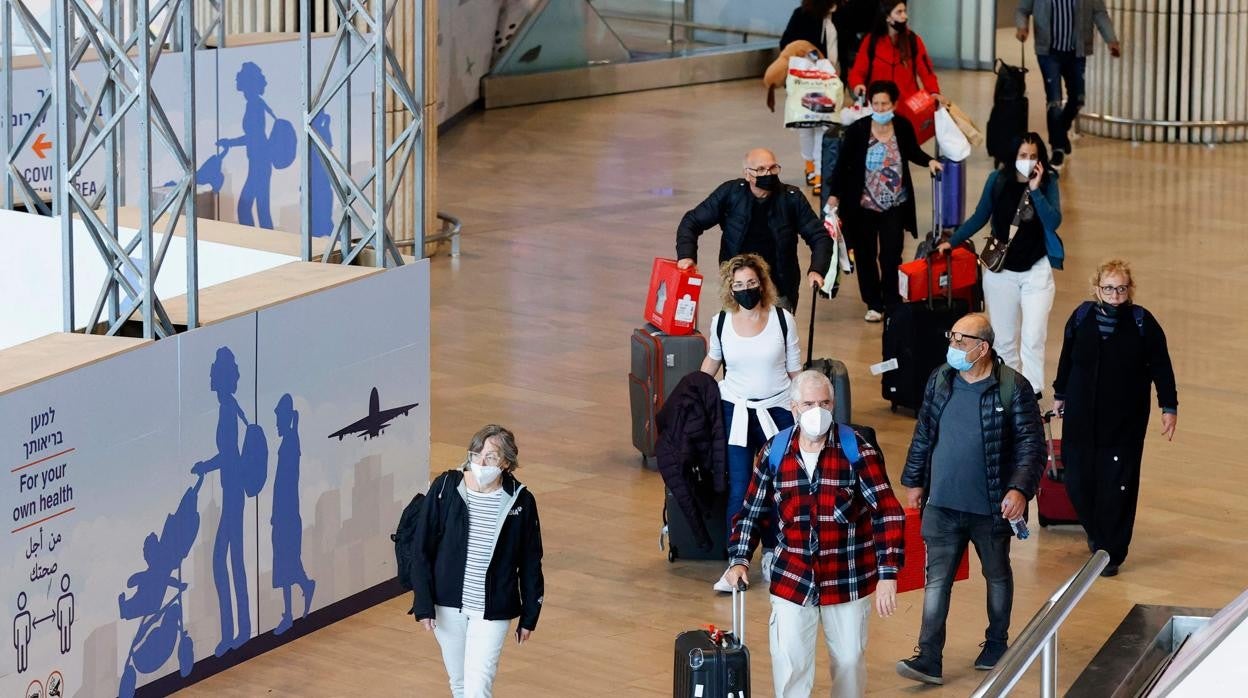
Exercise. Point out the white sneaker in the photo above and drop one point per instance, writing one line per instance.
(873, 316)
(769, 559)
(722, 584)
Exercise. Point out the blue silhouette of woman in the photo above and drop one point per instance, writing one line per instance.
(251, 82)
(287, 523)
(228, 547)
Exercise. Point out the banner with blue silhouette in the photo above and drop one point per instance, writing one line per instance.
(179, 500)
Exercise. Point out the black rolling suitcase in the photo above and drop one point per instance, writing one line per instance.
(659, 361)
(1008, 118)
(678, 534)
(832, 368)
(713, 663)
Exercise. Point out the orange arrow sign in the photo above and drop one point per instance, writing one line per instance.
(41, 145)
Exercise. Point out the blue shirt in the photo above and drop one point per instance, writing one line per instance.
(959, 467)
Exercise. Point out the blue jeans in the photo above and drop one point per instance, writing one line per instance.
(1056, 68)
(946, 533)
(741, 466)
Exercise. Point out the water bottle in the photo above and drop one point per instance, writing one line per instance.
(1020, 528)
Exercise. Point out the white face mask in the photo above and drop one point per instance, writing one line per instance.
(815, 422)
(485, 474)
(1025, 167)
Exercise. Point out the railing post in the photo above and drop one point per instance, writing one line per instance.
(1048, 668)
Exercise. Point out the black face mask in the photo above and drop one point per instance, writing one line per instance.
(898, 26)
(767, 181)
(748, 298)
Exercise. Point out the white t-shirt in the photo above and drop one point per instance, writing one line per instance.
(756, 367)
(810, 460)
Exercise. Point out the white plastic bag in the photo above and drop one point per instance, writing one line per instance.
(853, 112)
(953, 143)
(813, 93)
(841, 262)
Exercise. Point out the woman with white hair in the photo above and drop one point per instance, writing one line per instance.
(1113, 352)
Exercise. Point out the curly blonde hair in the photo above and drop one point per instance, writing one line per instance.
(745, 261)
(1113, 266)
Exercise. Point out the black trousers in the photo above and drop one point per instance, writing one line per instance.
(1104, 486)
(877, 241)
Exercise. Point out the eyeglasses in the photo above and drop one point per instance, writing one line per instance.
(1120, 290)
(491, 459)
(745, 286)
(760, 171)
(959, 337)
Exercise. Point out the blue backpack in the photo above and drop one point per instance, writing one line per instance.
(849, 445)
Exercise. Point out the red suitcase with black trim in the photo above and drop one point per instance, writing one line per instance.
(1052, 499)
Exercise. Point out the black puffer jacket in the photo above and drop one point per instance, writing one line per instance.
(692, 448)
(730, 207)
(514, 584)
(1015, 452)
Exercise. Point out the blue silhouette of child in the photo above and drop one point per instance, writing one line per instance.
(251, 82)
(228, 547)
(287, 523)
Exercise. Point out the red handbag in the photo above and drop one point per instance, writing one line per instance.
(913, 574)
(920, 110)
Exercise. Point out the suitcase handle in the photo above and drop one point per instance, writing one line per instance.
(937, 215)
(738, 613)
(1047, 418)
(810, 333)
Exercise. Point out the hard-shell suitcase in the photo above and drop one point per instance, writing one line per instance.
(711, 663)
(834, 369)
(659, 361)
(678, 536)
(1052, 499)
(952, 193)
(966, 276)
(914, 336)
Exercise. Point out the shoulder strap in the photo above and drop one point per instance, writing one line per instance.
(849, 444)
(1006, 387)
(719, 337)
(1080, 314)
(1138, 313)
(779, 447)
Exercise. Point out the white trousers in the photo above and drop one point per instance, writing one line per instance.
(792, 636)
(1018, 304)
(470, 649)
(811, 142)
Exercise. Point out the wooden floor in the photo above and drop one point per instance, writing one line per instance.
(564, 206)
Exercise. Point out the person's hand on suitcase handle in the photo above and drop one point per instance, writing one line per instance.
(738, 576)
(935, 166)
(815, 279)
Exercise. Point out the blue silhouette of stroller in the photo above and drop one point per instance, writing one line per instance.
(162, 629)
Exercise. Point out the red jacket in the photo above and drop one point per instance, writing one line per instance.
(888, 66)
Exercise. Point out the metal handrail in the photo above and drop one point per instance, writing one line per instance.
(1040, 636)
(1136, 124)
(451, 228)
(745, 33)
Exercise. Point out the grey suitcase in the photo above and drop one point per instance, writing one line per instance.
(659, 361)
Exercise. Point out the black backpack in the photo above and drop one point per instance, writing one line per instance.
(1008, 119)
(404, 539)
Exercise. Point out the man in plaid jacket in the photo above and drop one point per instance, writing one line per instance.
(840, 533)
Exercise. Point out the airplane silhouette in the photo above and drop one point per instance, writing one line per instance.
(376, 422)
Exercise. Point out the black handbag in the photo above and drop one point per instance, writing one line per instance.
(993, 256)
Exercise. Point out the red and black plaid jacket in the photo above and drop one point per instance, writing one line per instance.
(858, 536)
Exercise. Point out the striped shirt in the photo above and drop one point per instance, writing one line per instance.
(1106, 319)
(1063, 31)
(482, 520)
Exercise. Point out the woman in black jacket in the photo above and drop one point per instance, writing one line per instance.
(874, 195)
(478, 561)
(1113, 351)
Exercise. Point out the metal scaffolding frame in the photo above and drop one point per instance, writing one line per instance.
(127, 51)
(361, 43)
(16, 189)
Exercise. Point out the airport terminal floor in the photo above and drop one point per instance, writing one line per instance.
(564, 207)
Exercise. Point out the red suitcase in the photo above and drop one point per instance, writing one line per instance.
(912, 276)
(913, 574)
(1052, 499)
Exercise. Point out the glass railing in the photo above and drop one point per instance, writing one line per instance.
(565, 34)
